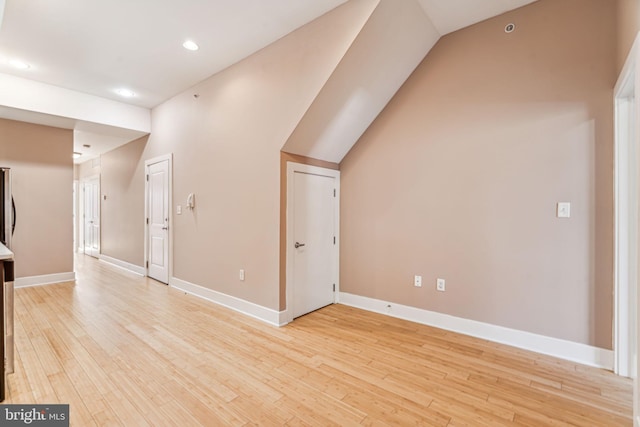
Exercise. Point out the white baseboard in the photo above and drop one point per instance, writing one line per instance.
(568, 350)
(47, 279)
(259, 312)
(123, 264)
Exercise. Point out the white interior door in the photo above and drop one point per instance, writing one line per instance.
(314, 233)
(158, 220)
(92, 217)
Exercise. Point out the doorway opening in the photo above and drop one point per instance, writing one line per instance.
(91, 216)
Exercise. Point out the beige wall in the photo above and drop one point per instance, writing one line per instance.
(226, 149)
(628, 25)
(459, 177)
(122, 202)
(42, 184)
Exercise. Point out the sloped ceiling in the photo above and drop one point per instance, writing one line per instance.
(452, 15)
(394, 40)
(94, 47)
(398, 35)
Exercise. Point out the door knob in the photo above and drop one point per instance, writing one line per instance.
(165, 228)
(298, 245)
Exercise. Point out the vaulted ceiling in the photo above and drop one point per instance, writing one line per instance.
(87, 50)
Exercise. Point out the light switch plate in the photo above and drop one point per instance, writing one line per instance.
(564, 210)
(179, 210)
(417, 281)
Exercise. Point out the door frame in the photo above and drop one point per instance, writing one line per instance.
(626, 235)
(83, 234)
(76, 214)
(147, 164)
(293, 168)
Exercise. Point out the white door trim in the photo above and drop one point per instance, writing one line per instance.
(147, 164)
(80, 218)
(292, 168)
(76, 215)
(625, 179)
(627, 298)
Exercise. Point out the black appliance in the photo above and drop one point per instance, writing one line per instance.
(7, 208)
(6, 316)
(7, 227)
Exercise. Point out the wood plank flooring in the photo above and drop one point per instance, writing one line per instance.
(124, 350)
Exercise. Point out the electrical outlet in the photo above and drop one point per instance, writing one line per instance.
(440, 285)
(417, 281)
(241, 275)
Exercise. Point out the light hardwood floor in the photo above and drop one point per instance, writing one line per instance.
(125, 350)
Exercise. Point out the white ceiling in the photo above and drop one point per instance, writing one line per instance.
(98, 46)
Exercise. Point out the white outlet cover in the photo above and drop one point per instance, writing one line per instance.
(563, 210)
(417, 281)
(440, 285)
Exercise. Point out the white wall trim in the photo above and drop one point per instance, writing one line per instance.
(273, 317)
(137, 269)
(46, 279)
(283, 317)
(563, 349)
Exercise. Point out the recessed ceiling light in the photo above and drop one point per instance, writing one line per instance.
(126, 93)
(190, 45)
(20, 65)
(76, 154)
